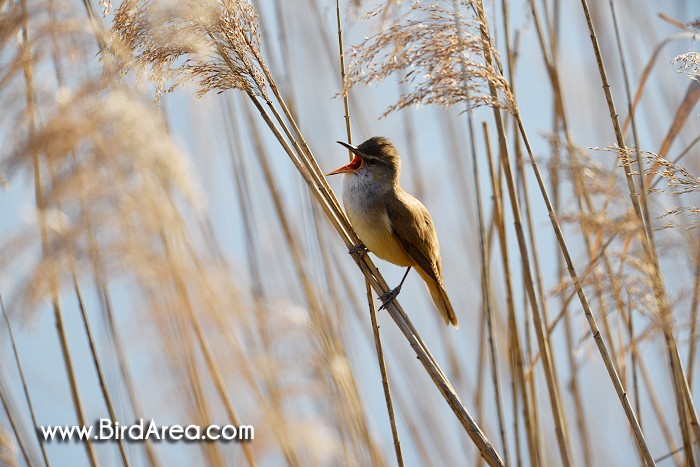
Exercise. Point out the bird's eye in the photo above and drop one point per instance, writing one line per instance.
(372, 162)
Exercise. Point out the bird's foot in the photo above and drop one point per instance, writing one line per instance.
(359, 248)
(389, 297)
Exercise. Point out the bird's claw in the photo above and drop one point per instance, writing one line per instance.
(359, 248)
(389, 297)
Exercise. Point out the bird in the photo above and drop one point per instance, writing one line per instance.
(391, 223)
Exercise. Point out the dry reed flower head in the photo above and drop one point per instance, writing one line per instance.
(620, 274)
(111, 177)
(213, 42)
(112, 173)
(436, 48)
(688, 64)
(606, 216)
(612, 222)
(677, 178)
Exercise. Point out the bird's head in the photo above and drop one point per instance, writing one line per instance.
(377, 158)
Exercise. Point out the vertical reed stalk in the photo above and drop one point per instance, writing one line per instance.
(485, 266)
(692, 345)
(27, 66)
(481, 358)
(554, 395)
(98, 365)
(14, 423)
(370, 299)
(582, 297)
(560, 118)
(20, 369)
(516, 349)
(207, 353)
(641, 210)
(486, 289)
(240, 176)
(106, 305)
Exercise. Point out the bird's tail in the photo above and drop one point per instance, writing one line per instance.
(440, 299)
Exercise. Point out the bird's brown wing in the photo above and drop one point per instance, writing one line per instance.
(413, 228)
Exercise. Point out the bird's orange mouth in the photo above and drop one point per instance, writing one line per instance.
(356, 164)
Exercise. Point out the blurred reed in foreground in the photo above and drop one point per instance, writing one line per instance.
(155, 317)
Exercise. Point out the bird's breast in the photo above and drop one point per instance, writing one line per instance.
(367, 213)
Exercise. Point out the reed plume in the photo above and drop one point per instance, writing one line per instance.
(436, 52)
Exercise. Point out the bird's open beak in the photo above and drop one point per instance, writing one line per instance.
(356, 164)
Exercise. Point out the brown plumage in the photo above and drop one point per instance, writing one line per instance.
(391, 223)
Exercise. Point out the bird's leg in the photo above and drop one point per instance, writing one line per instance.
(392, 294)
(359, 248)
